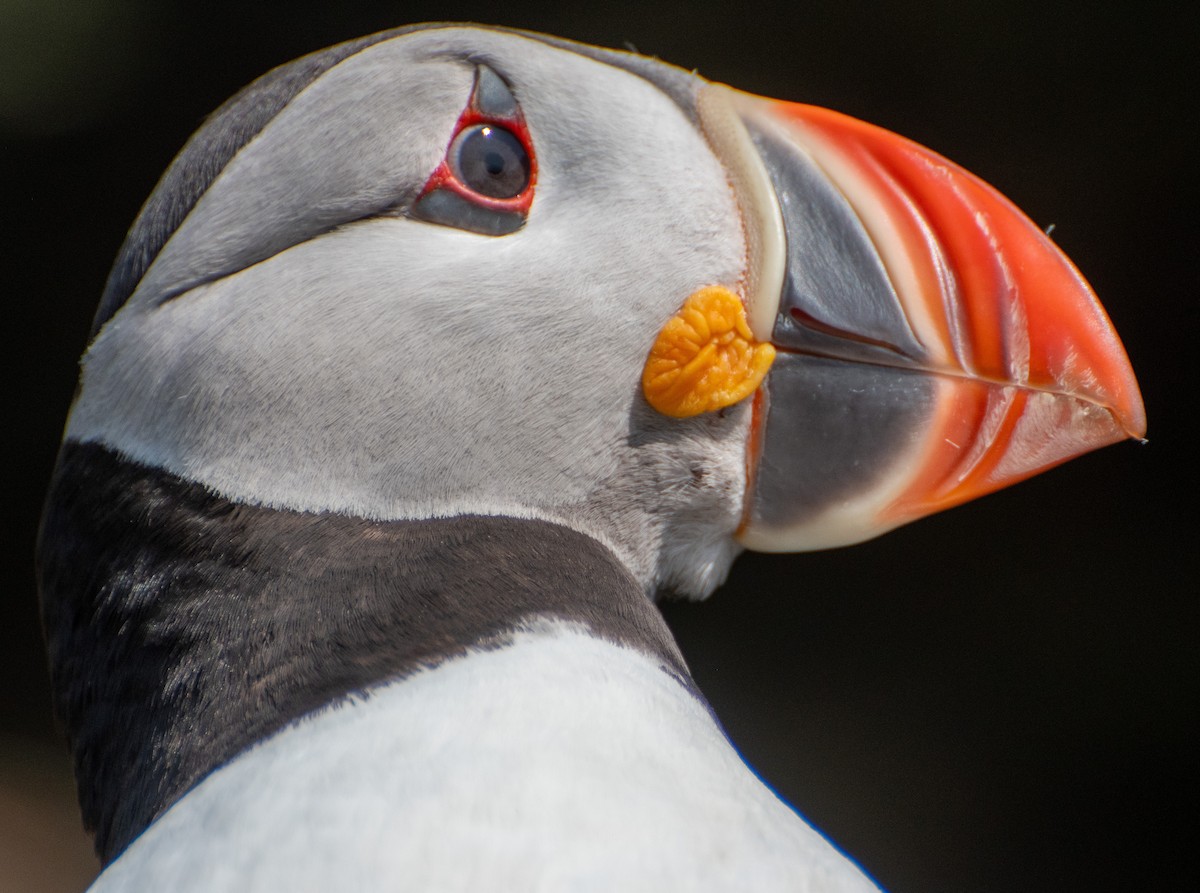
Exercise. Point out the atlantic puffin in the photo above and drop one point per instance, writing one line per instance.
(434, 359)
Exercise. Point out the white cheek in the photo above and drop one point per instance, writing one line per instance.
(391, 368)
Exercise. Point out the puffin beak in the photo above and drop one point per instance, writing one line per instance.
(933, 345)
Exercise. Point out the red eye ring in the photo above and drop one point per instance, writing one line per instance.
(511, 123)
(444, 177)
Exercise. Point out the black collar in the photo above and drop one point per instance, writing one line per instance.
(183, 627)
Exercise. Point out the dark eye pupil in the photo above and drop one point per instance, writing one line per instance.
(490, 160)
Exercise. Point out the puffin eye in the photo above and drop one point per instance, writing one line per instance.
(491, 160)
(486, 181)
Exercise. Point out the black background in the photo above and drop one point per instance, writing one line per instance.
(1002, 697)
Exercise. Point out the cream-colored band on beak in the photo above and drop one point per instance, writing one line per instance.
(766, 243)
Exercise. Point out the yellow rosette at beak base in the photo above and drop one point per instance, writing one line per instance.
(705, 358)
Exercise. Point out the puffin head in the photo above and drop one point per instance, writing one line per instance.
(455, 270)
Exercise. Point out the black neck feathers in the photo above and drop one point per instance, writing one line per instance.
(183, 627)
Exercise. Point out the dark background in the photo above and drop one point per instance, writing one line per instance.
(999, 698)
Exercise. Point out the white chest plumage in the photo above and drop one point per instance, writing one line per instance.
(559, 762)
